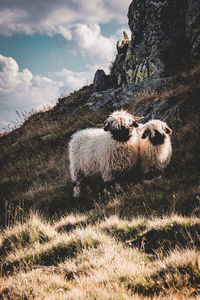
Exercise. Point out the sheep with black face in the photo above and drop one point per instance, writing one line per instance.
(106, 152)
(155, 148)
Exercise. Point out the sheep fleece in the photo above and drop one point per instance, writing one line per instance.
(154, 157)
(94, 152)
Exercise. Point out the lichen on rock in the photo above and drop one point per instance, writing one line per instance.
(165, 40)
(159, 44)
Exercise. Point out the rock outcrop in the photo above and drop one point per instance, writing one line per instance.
(101, 81)
(164, 46)
(117, 72)
(152, 98)
(165, 40)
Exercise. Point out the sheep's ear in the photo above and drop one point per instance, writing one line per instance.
(145, 134)
(134, 124)
(168, 130)
(106, 126)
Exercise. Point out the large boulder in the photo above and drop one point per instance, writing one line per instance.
(165, 37)
(101, 81)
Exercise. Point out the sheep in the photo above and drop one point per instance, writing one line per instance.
(106, 152)
(155, 148)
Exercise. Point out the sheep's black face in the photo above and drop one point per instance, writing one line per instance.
(155, 137)
(121, 134)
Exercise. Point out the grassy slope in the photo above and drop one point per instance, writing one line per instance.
(108, 247)
(99, 261)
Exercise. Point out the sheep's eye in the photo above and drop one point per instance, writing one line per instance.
(145, 134)
(134, 124)
(156, 132)
(107, 126)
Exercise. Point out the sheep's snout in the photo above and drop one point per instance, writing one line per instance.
(155, 137)
(122, 134)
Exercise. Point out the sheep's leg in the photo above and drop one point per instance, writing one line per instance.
(108, 181)
(118, 187)
(88, 188)
(77, 181)
(76, 189)
(108, 186)
(113, 185)
(152, 176)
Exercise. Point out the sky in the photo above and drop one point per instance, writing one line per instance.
(49, 48)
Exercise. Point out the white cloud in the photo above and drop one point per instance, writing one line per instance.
(52, 17)
(23, 91)
(91, 42)
(76, 20)
(72, 80)
(10, 77)
(13, 21)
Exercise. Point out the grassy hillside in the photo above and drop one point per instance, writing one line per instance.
(34, 160)
(143, 241)
(111, 259)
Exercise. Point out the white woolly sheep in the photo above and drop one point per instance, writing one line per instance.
(155, 148)
(107, 152)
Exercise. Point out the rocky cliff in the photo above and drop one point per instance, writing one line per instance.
(163, 48)
(165, 40)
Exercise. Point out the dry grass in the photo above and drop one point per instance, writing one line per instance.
(35, 284)
(176, 87)
(34, 232)
(94, 261)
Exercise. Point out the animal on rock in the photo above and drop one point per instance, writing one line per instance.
(108, 152)
(155, 148)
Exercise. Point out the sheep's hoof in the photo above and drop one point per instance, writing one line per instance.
(76, 192)
(153, 180)
(105, 191)
(118, 188)
(76, 196)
